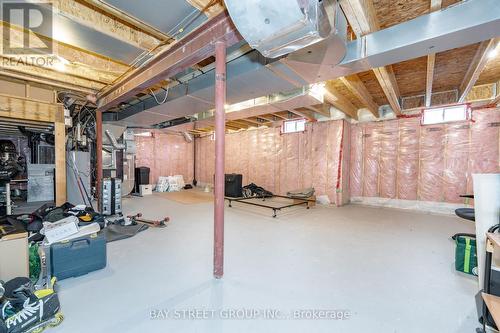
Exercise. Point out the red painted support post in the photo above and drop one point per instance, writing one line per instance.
(220, 115)
(98, 129)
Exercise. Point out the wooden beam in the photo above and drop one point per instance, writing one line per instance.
(235, 124)
(387, 80)
(234, 128)
(111, 22)
(60, 161)
(357, 87)
(50, 83)
(363, 19)
(7, 67)
(307, 114)
(21, 122)
(322, 109)
(210, 11)
(239, 122)
(436, 5)
(74, 55)
(269, 117)
(128, 19)
(475, 68)
(49, 65)
(26, 109)
(340, 102)
(361, 15)
(253, 120)
(431, 60)
(496, 100)
(279, 116)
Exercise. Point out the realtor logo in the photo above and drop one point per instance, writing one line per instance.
(27, 28)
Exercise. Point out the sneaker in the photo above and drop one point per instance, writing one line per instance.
(37, 313)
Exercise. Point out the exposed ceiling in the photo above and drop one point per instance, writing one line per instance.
(100, 40)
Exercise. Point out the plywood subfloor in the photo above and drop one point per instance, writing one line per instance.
(188, 197)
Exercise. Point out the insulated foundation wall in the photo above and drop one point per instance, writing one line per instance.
(285, 162)
(401, 159)
(166, 154)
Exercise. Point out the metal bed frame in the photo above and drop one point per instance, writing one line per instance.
(275, 209)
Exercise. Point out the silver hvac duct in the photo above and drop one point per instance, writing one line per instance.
(114, 142)
(279, 27)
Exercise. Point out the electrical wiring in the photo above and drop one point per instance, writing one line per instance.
(154, 96)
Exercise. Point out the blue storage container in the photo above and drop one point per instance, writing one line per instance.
(78, 256)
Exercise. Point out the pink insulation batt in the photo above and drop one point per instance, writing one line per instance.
(281, 162)
(398, 159)
(401, 159)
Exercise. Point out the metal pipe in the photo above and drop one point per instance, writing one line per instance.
(98, 127)
(8, 202)
(220, 120)
(114, 142)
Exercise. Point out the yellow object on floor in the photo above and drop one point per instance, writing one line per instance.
(188, 197)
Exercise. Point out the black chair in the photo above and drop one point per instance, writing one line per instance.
(467, 214)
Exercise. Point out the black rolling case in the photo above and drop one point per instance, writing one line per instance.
(233, 185)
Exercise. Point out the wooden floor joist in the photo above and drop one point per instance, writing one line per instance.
(476, 67)
(357, 87)
(363, 20)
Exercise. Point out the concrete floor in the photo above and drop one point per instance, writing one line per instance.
(391, 270)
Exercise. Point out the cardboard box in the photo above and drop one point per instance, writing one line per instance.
(14, 257)
(145, 190)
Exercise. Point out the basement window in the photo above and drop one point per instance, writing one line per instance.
(445, 114)
(292, 126)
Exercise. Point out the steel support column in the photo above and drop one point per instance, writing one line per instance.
(220, 115)
(98, 129)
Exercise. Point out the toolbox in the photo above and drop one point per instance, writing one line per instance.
(78, 256)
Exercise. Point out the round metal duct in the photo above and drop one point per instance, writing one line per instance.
(279, 27)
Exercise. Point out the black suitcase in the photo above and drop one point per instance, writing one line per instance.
(78, 256)
(233, 185)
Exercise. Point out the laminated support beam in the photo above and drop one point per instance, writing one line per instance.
(190, 50)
